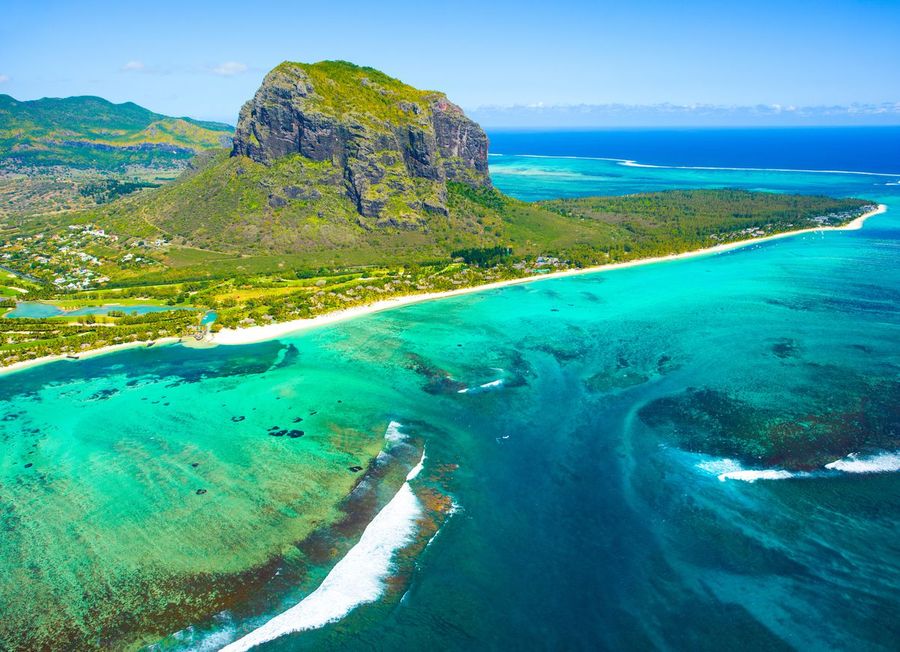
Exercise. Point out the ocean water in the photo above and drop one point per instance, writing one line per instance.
(863, 149)
(523, 480)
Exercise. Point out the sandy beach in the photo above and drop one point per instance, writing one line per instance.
(251, 334)
(229, 336)
(25, 364)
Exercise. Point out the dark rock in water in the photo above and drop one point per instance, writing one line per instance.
(294, 434)
(238, 419)
(607, 381)
(298, 419)
(438, 380)
(554, 309)
(863, 418)
(277, 433)
(195, 464)
(340, 401)
(200, 492)
(313, 412)
(665, 364)
(356, 469)
(785, 348)
(29, 465)
(459, 345)
(166, 404)
(103, 394)
(443, 385)
(275, 428)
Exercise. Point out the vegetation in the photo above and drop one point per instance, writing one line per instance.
(92, 133)
(104, 191)
(360, 90)
(73, 153)
(486, 237)
(661, 223)
(393, 198)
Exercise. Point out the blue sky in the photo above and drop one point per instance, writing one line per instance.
(530, 62)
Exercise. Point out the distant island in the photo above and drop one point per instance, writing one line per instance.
(343, 187)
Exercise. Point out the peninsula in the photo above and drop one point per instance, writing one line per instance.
(344, 191)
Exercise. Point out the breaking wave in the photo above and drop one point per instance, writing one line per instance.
(357, 579)
(728, 469)
(481, 388)
(393, 434)
(880, 463)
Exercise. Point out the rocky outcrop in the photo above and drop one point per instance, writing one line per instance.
(396, 146)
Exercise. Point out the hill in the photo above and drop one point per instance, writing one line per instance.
(342, 186)
(93, 133)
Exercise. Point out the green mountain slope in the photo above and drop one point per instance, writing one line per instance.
(336, 164)
(93, 133)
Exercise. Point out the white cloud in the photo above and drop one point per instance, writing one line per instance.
(230, 68)
(133, 66)
(593, 115)
(4, 79)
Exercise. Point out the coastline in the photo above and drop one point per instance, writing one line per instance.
(252, 334)
(90, 353)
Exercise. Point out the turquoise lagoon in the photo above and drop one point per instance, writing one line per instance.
(600, 500)
(41, 310)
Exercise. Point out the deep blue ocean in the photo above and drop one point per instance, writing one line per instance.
(861, 149)
(554, 509)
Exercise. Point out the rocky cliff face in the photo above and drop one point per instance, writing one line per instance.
(395, 146)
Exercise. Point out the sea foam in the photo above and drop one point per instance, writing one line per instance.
(393, 434)
(481, 388)
(752, 475)
(879, 463)
(728, 469)
(357, 579)
(414, 473)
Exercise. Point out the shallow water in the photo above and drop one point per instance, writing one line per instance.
(580, 521)
(41, 310)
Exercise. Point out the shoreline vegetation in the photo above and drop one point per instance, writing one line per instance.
(253, 334)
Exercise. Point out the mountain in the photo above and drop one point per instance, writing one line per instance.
(92, 133)
(333, 164)
(394, 146)
(334, 156)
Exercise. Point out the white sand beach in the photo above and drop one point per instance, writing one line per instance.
(251, 334)
(90, 353)
(229, 336)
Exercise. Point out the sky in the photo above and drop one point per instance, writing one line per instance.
(560, 63)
